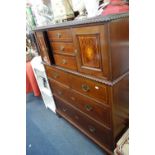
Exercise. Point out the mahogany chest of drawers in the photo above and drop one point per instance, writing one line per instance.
(87, 64)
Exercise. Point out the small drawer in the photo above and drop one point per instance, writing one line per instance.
(57, 75)
(60, 35)
(93, 89)
(68, 62)
(63, 48)
(93, 129)
(83, 103)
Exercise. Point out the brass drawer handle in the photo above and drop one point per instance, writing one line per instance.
(64, 61)
(62, 48)
(85, 87)
(55, 75)
(75, 51)
(92, 129)
(73, 98)
(88, 107)
(64, 109)
(59, 35)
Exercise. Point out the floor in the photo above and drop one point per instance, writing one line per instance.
(48, 134)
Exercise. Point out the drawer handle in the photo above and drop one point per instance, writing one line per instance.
(59, 35)
(62, 48)
(75, 51)
(92, 129)
(73, 98)
(88, 107)
(85, 87)
(64, 109)
(55, 75)
(64, 61)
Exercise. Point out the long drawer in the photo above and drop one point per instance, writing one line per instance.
(91, 128)
(83, 103)
(90, 88)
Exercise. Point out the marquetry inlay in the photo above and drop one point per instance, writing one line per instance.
(89, 48)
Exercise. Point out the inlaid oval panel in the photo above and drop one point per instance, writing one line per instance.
(90, 51)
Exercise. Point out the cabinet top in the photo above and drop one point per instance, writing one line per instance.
(97, 19)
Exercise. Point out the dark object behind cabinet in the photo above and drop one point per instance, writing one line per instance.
(87, 66)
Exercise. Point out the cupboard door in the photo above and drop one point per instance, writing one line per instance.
(91, 49)
(44, 51)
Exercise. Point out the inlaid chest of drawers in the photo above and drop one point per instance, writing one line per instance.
(87, 65)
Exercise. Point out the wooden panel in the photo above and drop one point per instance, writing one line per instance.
(93, 129)
(91, 44)
(68, 62)
(119, 44)
(57, 75)
(90, 107)
(63, 48)
(91, 88)
(42, 47)
(120, 106)
(89, 47)
(60, 35)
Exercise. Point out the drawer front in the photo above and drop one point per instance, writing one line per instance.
(93, 129)
(91, 88)
(60, 35)
(57, 75)
(60, 90)
(63, 48)
(68, 62)
(91, 108)
(85, 104)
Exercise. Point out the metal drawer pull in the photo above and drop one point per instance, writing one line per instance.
(55, 75)
(75, 51)
(88, 107)
(85, 87)
(73, 98)
(64, 109)
(92, 129)
(64, 61)
(59, 35)
(62, 48)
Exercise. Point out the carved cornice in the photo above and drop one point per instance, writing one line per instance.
(98, 19)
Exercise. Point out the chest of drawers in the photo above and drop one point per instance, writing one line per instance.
(87, 64)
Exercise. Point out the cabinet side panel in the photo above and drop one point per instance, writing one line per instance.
(120, 106)
(119, 44)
